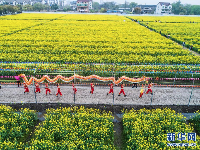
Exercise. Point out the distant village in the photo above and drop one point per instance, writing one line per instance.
(88, 6)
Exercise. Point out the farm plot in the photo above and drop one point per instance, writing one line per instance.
(180, 29)
(90, 39)
(149, 129)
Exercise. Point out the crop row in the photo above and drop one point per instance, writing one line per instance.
(15, 126)
(73, 128)
(148, 129)
(180, 29)
(167, 19)
(88, 128)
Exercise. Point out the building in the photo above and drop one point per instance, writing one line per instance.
(147, 9)
(84, 6)
(124, 9)
(163, 8)
(73, 5)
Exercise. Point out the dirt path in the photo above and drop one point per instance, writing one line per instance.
(193, 52)
(161, 96)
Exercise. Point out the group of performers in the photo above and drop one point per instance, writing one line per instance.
(37, 89)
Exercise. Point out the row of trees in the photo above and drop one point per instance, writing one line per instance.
(112, 6)
(185, 9)
(177, 8)
(39, 7)
(96, 7)
(9, 9)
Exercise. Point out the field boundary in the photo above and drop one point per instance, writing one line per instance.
(104, 107)
(186, 47)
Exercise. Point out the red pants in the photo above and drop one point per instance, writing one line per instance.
(59, 93)
(26, 89)
(122, 91)
(37, 90)
(149, 90)
(92, 90)
(75, 90)
(48, 90)
(111, 91)
(141, 94)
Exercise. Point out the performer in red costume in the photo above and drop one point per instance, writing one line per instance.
(47, 89)
(92, 87)
(37, 88)
(149, 88)
(74, 89)
(58, 91)
(122, 90)
(111, 89)
(142, 91)
(26, 88)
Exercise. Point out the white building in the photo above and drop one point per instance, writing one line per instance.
(163, 8)
(73, 5)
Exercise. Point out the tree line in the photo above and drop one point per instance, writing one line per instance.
(185, 9)
(9, 9)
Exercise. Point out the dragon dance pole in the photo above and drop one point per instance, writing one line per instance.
(113, 89)
(191, 91)
(34, 89)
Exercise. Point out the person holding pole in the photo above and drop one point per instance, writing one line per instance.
(26, 88)
(149, 88)
(47, 89)
(122, 90)
(74, 89)
(18, 80)
(142, 91)
(111, 89)
(37, 88)
(58, 90)
(92, 87)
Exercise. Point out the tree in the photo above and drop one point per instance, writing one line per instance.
(19, 8)
(195, 9)
(1, 10)
(46, 7)
(132, 5)
(5, 10)
(137, 10)
(109, 5)
(38, 7)
(96, 6)
(67, 8)
(176, 7)
(103, 10)
(187, 8)
(27, 8)
(16, 9)
(54, 7)
(10, 9)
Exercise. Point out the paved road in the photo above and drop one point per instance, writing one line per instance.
(161, 95)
